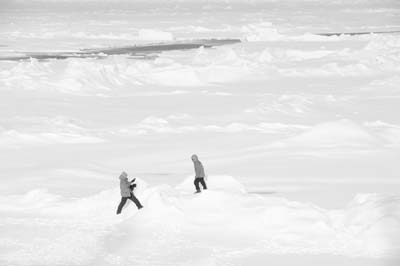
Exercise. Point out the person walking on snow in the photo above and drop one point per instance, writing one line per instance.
(199, 171)
(127, 192)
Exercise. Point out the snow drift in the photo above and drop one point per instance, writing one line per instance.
(217, 226)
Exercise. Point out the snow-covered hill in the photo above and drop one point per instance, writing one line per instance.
(221, 226)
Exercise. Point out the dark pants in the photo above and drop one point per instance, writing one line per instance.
(198, 180)
(123, 201)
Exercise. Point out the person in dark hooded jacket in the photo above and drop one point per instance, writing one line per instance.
(127, 192)
(199, 174)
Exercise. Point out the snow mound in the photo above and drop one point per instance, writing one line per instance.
(36, 130)
(261, 32)
(33, 200)
(342, 133)
(226, 218)
(177, 225)
(383, 214)
(175, 76)
(221, 182)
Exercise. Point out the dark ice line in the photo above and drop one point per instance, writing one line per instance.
(357, 33)
(136, 51)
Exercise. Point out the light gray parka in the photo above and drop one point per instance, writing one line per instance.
(124, 186)
(198, 167)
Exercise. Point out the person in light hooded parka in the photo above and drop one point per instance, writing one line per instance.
(126, 192)
(199, 174)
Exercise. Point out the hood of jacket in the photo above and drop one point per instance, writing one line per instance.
(123, 175)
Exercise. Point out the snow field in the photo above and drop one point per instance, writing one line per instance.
(308, 124)
(176, 225)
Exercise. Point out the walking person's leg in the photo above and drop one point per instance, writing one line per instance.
(196, 184)
(203, 183)
(136, 201)
(121, 204)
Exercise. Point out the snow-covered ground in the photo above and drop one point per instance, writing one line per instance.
(299, 133)
(222, 226)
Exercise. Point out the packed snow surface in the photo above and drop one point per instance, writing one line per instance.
(217, 227)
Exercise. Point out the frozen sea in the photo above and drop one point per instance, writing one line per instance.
(299, 132)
